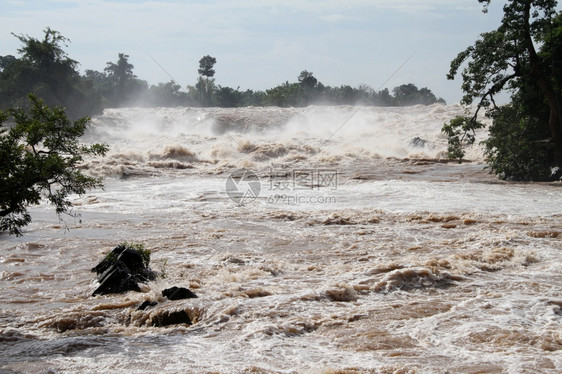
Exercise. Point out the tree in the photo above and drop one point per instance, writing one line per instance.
(508, 59)
(409, 94)
(206, 65)
(39, 157)
(168, 94)
(122, 71)
(405, 94)
(307, 80)
(384, 98)
(204, 89)
(202, 94)
(285, 95)
(228, 97)
(309, 86)
(45, 69)
(347, 95)
(6, 61)
(47, 55)
(121, 76)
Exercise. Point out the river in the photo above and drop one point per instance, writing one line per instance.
(319, 240)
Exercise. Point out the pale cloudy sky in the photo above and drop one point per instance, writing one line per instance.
(260, 44)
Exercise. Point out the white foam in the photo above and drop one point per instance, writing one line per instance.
(410, 267)
(216, 136)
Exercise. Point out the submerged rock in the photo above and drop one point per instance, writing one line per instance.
(123, 269)
(147, 304)
(178, 293)
(172, 293)
(418, 142)
(168, 318)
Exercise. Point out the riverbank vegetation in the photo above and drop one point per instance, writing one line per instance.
(44, 69)
(524, 57)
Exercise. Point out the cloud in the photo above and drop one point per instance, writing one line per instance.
(335, 18)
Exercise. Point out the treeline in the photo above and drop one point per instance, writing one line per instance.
(45, 69)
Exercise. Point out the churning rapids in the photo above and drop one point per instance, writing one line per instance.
(358, 250)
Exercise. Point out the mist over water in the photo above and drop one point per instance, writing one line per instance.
(362, 251)
(217, 139)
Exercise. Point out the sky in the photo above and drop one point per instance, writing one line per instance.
(261, 44)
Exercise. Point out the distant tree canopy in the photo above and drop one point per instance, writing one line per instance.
(523, 56)
(409, 94)
(45, 70)
(206, 65)
(121, 78)
(309, 91)
(307, 80)
(167, 94)
(118, 84)
(204, 91)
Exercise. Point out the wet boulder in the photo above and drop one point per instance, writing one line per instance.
(168, 318)
(418, 142)
(172, 293)
(123, 269)
(147, 304)
(178, 293)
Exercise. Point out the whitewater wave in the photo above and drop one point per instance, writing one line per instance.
(149, 141)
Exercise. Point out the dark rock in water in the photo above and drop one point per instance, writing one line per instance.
(168, 318)
(147, 304)
(117, 279)
(418, 142)
(121, 271)
(178, 293)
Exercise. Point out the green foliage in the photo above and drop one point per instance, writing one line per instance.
(6, 62)
(168, 94)
(39, 157)
(206, 65)
(309, 91)
(307, 80)
(123, 86)
(120, 72)
(306, 91)
(525, 138)
(486, 74)
(203, 93)
(514, 149)
(347, 95)
(409, 94)
(227, 97)
(45, 69)
(46, 54)
(384, 98)
(138, 247)
(119, 86)
(461, 132)
(285, 95)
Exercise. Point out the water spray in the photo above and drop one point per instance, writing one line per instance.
(359, 107)
(355, 111)
(163, 69)
(175, 82)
